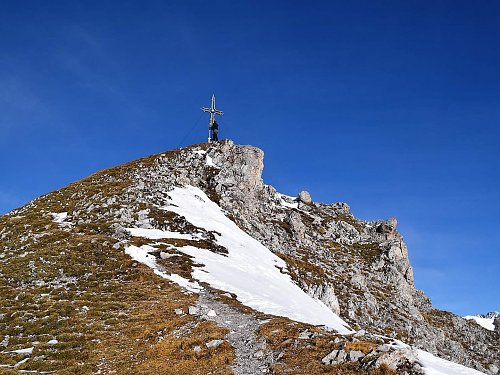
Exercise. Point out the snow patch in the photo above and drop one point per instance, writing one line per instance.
(210, 162)
(199, 152)
(286, 199)
(59, 217)
(483, 322)
(142, 255)
(21, 362)
(156, 234)
(433, 365)
(22, 351)
(250, 270)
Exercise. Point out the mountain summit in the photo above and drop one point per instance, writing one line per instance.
(185, 262)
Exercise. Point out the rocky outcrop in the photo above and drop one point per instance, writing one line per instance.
(402, 360)
(325, 245)
(305, 197)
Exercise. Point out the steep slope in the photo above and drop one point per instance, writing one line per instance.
(80, 278)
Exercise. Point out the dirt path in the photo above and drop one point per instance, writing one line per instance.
(252, 357)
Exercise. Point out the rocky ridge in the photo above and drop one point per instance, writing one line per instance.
(359, 269)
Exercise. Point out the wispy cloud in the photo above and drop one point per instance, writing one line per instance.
(85, 56)
(16, 94)
(19, 102)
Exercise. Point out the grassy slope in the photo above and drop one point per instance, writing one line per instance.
(106, 311)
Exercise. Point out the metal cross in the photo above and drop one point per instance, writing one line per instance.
(212, 112)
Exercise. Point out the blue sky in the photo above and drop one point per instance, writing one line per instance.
(390, 106)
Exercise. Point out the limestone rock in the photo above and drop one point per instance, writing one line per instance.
(496, 324)
(334, 357)
(294, 219)
(355, 355)
(193, 310)
(360, 333)
(305, 197)
(214, 343)
(326, 294)
(398, 359)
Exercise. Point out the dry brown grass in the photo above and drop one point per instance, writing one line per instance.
(350, 219)
(361, 345)
(107, 312)
(302, 269)
(303, 356)
(369, 252)
(176, 355)
(112, 319)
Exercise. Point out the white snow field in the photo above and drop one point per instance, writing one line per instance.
(59, 217)
(141, 254)
(437, 366)
(251, 271)
(156, 234)
(483, 322)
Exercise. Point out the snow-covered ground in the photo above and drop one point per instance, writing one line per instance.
(142, 255)
(208, 160)
(59, 217)
(251, 271)
(437, 366)
(156, 234)
(483, 322)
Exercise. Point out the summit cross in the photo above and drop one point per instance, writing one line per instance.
(212, 112)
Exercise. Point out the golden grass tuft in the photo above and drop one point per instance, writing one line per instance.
(361, 345)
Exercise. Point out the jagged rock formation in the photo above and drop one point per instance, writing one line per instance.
(359, 269)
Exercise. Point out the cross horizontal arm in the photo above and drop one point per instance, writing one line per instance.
(210, 110)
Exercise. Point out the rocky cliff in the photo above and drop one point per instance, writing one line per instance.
(65, 252)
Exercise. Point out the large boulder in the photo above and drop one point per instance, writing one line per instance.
(496, 323)
(305, 197)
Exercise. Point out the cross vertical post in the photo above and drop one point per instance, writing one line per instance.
(212, 112)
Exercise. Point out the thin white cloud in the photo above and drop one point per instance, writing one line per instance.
(16, 94)
(21, 105)
(85, 56)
